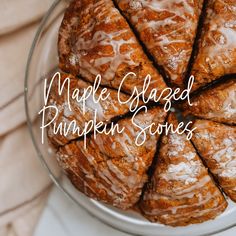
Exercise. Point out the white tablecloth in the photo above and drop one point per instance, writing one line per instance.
(62, 217)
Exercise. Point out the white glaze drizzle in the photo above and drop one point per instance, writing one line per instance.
(177, 9)
(196, 213)
(115, 181)
(105, 11)
(224, 152)
(175, 209)
(229, 105)
(222, 33)
(185, 172)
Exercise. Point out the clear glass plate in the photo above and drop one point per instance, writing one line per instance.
(42, 61)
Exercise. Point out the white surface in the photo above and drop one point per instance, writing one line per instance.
(62, 217)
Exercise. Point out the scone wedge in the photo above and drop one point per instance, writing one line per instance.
(181, 192)
(94, 38)
(216, 55)
(217, 103)
(216, 143)
(112, 168)
(168, 29)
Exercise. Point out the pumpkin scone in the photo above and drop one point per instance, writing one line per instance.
(216, 143)
(216, 55)
(94, 38)
(74, 113)
(112, 168)
(217, 103)
(180, 192)
(168, 30)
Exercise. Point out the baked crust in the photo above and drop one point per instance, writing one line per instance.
(168, 29)
(112, 168)
(180, 192)
(217, 103)
(217, 46)
(216, 143)
(95, 39)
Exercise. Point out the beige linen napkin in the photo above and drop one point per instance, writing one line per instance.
(17, 13)
(14, 49)
(24, 184)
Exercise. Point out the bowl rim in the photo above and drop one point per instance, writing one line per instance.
(38, 152)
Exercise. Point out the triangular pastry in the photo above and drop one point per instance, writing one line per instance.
(95, 39)
(168, 29)
(180, 191)
(216, 143)
(217, 103)
(217, 46)
(106, 109)
(112, 168)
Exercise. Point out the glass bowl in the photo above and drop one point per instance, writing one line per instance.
(42, 61)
